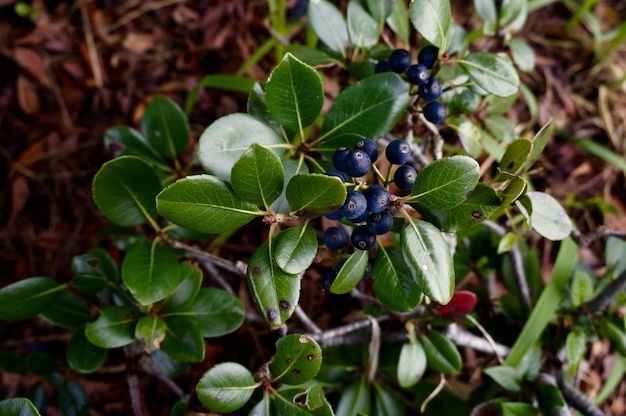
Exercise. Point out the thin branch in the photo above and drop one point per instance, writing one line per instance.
(153, 369)
(576, 398)
(545, 378)
(608, 295)
(464, 338)
(91, 47)
(586, 239)
(325, 336)
(143, 9)
(306, 321)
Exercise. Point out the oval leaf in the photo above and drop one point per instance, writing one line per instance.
(549, 218)
(165, 126)
(151, 329)
(411, 364)
(18, 406)
(445, 183)
(133, 142)
(492, 72)
(294, 93)
(224, 141)
(291, 168)
(124, 190)
(441, 354)
(539, 143)
(514, 157)
(393, 284)
(82, 356)
(298, 359)
(114, 328)
(315, 194)
(428, 257)
(67, 311)
(187, 289)
(296, 248)
(432, 19)
(351, 272)
(355, 400)
(205, 203)
(28, 297)
(258, 176)
(73, 398)
(226, 387)
(362, 27)
(329, 25)
(183, 340)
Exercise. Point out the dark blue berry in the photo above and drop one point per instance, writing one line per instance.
(380, 223)
(382, 66)
(339, 156)
(399, 60)
(404, 177)
(341, 175)
(362, 238)
(377, 198)
(417, 74)
(357, 163)
(398, 151)
(427, 56)
(334, 238)
(335, 215)
(368, 146)
(355, 205)
(327, 279)
(361, 218)
(435, 112)
(368, 272)
(431, 90)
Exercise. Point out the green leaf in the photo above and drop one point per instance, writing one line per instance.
(329, 25)
(523, 54)
(124, 190)
(226, 387)
(369, 108)
(411, 364)
(291, 168)
(517, 409)
(293, 401)
(67, 311)
(296, 248)
(257, 107)
(183, 340)
(488, 13)
(513, 15)
(514, 191)
(492, 72)
(315, 194)
(150, 271)
(93, 270)
(470, 135)
(614, 255)
(386, 403)
(380, 9)
(298, 359)
(539, 143)
(18, 406)
(214, 312)
(223, 142)
(294, 93)
(73, 399)
(151, 329)
(41, 364)
(313, 57)
(134, 144)
(445, 183)
(82, 356)
(575, 349)
(354, 400)
(351, 272)
(507, 242)
(433, 20)
(398, 20)
(581, 288)
(393, 284)
(507, 377)
(205, 203)
(441, 354)
(274, 292)
(114, 328)
(549, 218)
(187, 289)
(165, 126)
(362, 27)
(515, 157)
(428, 257)
(27, 297)
(501, 128)
(258, 176)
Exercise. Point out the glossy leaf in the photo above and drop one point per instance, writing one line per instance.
(515, 190)
(398, 20)
(165, 126)
(296, 248)
(445, 183)
(513, 15)
(298, 359)
(354, 400)
(487, 11)
(491, 72)
(124, 190)
(428, 258)
(257, 107)
(575, 349)
(313, 56)
(369, 108)
(93, 270)
(114, 328)
(183, 340)
(329, 25)
(223, 142)
(380, 9)
(393, 284)
(294, 401)
(187, 289)
(151, 329)
(214, 312)
(67, 311)
(18, 406)
(27, 297)
(351, 272)
(362, 27)
(274, 292)
(514, 157)
(549, 218)
(411, 364)
(441, 354)
(315, 194)
(83, 356)
(523, 54)
(291, 168)
(226, 387)
(294, 93)
(581, 288)
(73, 399)
(133, 142)
(507, 377)
(539, 143)
(206, 204)
(150, 271)
(258, 176)
(433, 20)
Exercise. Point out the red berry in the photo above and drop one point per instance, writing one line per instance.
(461, 304)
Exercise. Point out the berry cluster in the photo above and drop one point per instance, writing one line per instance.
(429, 87)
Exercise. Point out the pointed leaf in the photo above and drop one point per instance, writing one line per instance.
(432, 19)
(298, 359)
(515, 157)
(151, 329)
(315, 194)
(441, 354)
(294, 93)
(18, 406)
(428, 258)
(515, 190)
(274, 292)
(411, 364)
(393, 284)
(114, 328)
(150, 271)
(295, 402)
(575, 349)
(362, 27)
(539, 143)
(296, 248)
(506, 376)
(329, 25)
(165, 126)
(223, 142)
(67, 311)
(133, 143)
(82, 356)
(124, 189)
(205, 203)
(258, 176)
(549, 218)
(523, 54)
(226, 387)
(492, 72)
(27, 297)
(369, 108)
(351, 272)
(187, 289)
(183, 340)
